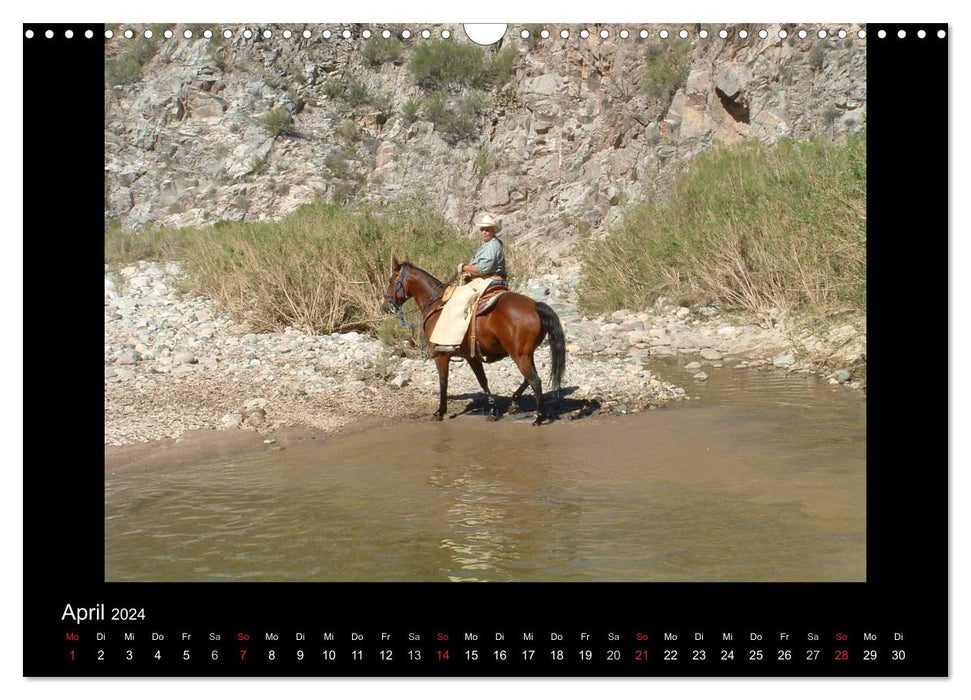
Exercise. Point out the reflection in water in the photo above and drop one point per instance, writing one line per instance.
(498, 505)
(761, 482)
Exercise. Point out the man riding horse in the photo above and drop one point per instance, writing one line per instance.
(511, 325)
(487, 267)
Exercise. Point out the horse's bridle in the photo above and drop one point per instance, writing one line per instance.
(399, 290)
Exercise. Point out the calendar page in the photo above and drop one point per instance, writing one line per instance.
(534, 349)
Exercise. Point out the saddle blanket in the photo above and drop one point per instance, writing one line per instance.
(454, 319)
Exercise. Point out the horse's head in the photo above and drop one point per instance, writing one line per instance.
(396, 295)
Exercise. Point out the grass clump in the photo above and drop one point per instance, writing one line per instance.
(748, 226)
(124, 246)
(127, 68)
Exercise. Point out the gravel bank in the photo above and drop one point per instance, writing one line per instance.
(173, 363)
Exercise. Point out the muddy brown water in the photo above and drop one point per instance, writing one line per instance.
(760, 478)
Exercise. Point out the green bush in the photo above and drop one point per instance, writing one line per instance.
(532, 41)
(356, 94)
(456, 119)
(435, 108)
(666, 68)
(410, 110)
(278, 121)
(450, 65)
(748, 226)
(378, 51)
(485, 162)
(128, 68)
(349, 131)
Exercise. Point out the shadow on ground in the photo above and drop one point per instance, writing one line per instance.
(559, 405)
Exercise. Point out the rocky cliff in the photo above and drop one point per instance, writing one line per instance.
(198, 130)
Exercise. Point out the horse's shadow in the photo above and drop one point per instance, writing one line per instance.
(559, 404)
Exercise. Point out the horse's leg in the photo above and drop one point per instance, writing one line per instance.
(516, 396)
(479, 372)
(528, 368)
(441, 362)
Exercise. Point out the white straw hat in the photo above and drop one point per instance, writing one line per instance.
(486, 221)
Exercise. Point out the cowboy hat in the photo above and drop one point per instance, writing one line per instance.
(486, 221)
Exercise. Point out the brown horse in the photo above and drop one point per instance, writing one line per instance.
(514, 328)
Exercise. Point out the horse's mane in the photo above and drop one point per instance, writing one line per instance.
(436, 283)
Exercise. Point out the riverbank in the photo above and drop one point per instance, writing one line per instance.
(174, 364)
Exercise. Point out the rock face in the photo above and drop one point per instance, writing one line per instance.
(579, 131)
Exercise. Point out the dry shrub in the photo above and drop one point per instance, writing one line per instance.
(322, 269)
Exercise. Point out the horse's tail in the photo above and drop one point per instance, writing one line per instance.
(551, 324)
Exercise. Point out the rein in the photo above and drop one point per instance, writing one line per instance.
(399, 290)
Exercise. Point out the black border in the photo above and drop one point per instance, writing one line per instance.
(907, 525)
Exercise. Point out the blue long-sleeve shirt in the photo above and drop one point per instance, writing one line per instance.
(489, 259)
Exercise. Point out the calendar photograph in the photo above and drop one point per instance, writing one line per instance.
(434, 303)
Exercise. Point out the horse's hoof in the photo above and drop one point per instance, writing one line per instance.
(493, 417)
(538, 421)
(436, 416)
